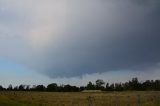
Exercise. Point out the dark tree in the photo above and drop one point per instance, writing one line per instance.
(90, 86)
(40, 88)
(111, 87)
(10, 87)
(99, 84)
(107, 87)
(1, 88)
(157, 85)
(118, 87)
(27, 87)
(52, 87)
(69, 88)
(82, 88)
(134, 84)
(15, 88)
(21, 87)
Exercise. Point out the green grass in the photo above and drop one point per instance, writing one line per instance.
(135, 98)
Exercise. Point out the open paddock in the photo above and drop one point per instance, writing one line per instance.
(127, 98)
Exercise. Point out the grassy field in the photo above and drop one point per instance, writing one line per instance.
(17, 98)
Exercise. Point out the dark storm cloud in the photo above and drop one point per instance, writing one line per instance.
(102, 37)
(70, 38)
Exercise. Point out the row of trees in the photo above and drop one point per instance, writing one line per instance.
(134, 84)
(51, 88)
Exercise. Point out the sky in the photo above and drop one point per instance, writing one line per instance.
(76, 41)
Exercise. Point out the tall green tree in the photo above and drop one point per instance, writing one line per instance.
(100, 84)
(52, 87)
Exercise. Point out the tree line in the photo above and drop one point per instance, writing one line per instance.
(132, 85)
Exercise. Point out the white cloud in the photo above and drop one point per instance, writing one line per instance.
(44, 21)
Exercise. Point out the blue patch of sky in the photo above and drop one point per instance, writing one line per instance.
(16, 74)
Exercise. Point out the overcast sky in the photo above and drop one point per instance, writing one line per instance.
(76, 41)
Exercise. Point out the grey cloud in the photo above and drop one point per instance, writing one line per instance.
(101, 36)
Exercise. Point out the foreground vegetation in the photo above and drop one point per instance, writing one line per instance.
(127, 98)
